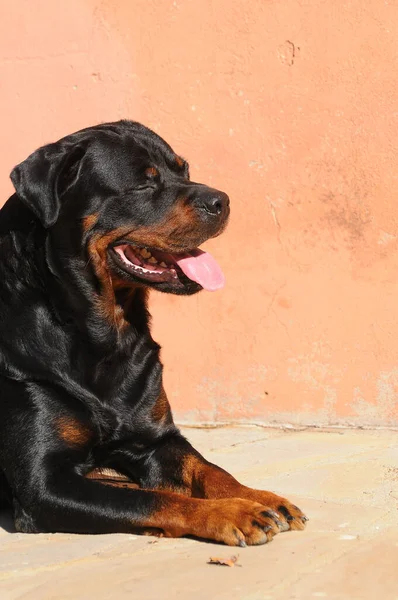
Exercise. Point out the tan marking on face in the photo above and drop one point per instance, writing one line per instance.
(106, 301)
(89, 222)
(178, 232)
(151, 172)
(179, 161)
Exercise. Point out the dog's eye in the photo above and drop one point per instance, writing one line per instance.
(148, 185)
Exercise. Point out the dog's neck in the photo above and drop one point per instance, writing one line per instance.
(108, 312)
(15, 216)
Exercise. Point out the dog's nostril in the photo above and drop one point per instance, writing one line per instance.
(217, 206)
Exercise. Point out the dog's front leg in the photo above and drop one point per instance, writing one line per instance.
(173, 464)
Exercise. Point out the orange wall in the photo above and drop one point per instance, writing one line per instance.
(292, 108)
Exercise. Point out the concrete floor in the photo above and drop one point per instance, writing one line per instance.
(345, 481)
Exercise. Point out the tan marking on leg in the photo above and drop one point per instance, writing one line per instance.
(161, 411)
(73, 432)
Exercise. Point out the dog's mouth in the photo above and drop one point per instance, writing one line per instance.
(157, 266)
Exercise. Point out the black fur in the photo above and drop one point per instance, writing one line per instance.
(61, 359)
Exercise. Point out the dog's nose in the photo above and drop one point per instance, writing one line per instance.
(216, 204)
(213, 202)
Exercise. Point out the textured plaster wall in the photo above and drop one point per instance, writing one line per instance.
(292, 108)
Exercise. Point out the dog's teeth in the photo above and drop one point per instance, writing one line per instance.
(163, 264)
(145, 253)
(152, 260)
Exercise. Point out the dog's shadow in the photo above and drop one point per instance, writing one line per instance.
(6, 521)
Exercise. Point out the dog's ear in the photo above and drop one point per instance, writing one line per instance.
(43, 178)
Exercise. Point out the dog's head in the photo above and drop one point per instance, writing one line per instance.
(121, 191)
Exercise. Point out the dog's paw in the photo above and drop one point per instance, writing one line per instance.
(289, 516)
(236, 522)
(294, 517)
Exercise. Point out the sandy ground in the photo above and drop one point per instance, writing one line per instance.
(345, 481)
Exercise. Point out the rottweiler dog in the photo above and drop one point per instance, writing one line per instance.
(87, 439)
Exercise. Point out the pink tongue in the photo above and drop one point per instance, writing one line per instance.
(201, 267)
